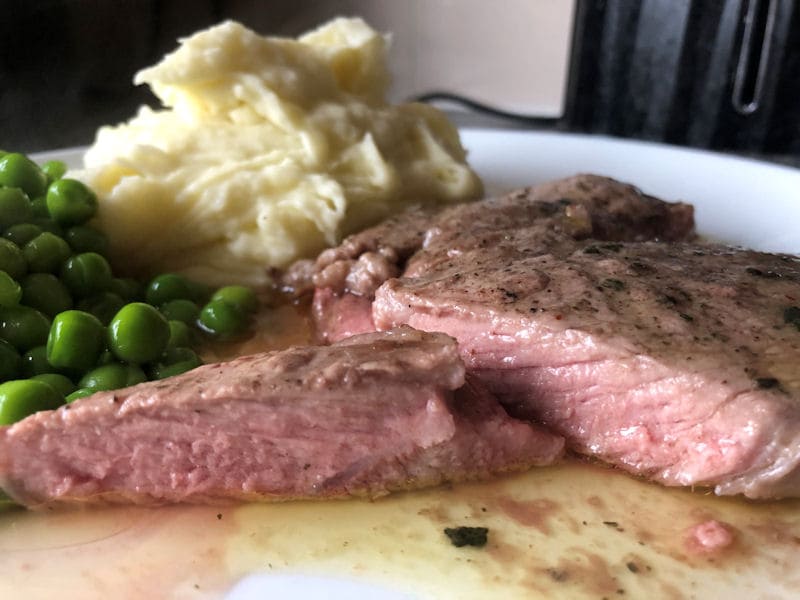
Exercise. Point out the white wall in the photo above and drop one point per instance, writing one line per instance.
(512, 54)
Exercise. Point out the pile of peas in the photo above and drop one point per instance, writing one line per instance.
(68, 326)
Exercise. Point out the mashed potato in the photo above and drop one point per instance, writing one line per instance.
(268, 150)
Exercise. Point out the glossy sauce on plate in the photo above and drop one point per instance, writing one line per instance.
(577, 530)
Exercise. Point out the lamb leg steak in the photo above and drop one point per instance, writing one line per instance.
(373, 414)
(674, 360)
(679, 362)
(538, 218)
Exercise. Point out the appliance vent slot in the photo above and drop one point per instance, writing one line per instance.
(754, 56)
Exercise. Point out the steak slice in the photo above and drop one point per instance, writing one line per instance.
(377, 413)
(678, 362)
(536, 220)
(543, 218)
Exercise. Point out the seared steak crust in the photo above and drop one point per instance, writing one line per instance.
(539, 219)
(376, 413)
(577, 207)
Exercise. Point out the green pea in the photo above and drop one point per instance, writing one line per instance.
(240, 296)
(174, 362)
(176, 355)
(54, 169)
(112, 377)
(10, 290)
(180, 310)
(138, 333)
(199, 292)
(45, 293)
(23, 327)
(70, 202)
(75, 341)
(106, 358)
(39, 208)
(83, 238)
(10, 361)
(14, 207)
(17, 170)
(34, 362)
(6, 503)
(164, 371)
(47, 224)
(127, 288)
(23, 397)
(46, 253)
(166, 287)
(222, 319)
(86, 274)
(60, 383)
(103, 306)
(79, 393)
(12, 259)
(179, 334)
(22, 233)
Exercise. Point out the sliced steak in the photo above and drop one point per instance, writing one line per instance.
(678, 362)
(377, 413)
(536, 220)
(549, 218)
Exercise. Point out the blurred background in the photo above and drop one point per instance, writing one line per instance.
(720, 74)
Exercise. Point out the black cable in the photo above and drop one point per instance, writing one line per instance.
(479, 107)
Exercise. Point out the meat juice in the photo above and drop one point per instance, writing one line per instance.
(577, 530)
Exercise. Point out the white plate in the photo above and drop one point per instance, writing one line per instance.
(738, 201)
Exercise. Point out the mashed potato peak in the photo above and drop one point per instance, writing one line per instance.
(267, 150)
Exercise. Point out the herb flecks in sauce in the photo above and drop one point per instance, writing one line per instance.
(767, 383)
(614, 284)
(765, 274)
(467, 536)
(791, 316)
